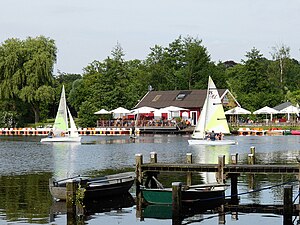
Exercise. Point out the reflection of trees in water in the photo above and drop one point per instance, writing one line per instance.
(26, 195)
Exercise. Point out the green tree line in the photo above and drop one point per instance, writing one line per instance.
(29, 91)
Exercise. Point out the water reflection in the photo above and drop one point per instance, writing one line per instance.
(114, 205)
(64, 159)
(25, 198)
(26, 165)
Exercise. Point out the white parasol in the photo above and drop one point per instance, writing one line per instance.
(290, 110)
(266, 110)
(102, 111)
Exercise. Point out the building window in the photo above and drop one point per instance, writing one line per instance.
(180, 96)
(156, 98)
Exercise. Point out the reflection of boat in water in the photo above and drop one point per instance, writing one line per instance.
(205, 154)
(95, 188)
(165, 211)
(105, 204)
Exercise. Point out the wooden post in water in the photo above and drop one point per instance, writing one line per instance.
(251, 176)
(252, 151)
(189, 160)
(288, 205)
(221, 164)
(153, 157)
(251, 159)
(138, 171)
(176, 203)
(234, 180)
(234, 158)
(71, 202)
(222, 218)
(234, 189)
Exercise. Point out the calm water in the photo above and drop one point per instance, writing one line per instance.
(26, 165)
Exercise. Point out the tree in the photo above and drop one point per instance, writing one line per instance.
(26, 71)
(281, 54)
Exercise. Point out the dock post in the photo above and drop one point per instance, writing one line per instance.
(234, 189)
(250, 159)
(189, 160)
(222, 218)
(153, 157)
(221, 164)
(251, 176)
(138, 171)
(176, 203)
(71, 201)
(234, 158)
(288, 205)
(252, 151)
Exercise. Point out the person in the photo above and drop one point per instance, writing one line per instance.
(51, 134)
(221, 136)
(207, 135)
(212, 136)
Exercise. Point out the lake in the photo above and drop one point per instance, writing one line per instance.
(26, 166)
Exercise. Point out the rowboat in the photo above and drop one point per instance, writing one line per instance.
(203, 193)
(95, 188)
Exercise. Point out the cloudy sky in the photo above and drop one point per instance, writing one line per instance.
(87, 30)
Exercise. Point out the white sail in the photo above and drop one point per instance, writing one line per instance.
(61, 126)
(73, 128)
(212, 117)
(61, 120)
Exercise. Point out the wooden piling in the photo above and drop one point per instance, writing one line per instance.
(176, 202)
(234, 158)
(222, 218)
(234, 188)
(189, 160)
(153, 157)
(252, 151)
(71, 201)
(288, 205)
(138, 171)
(250, 159)
(152, 177)
(220, 173)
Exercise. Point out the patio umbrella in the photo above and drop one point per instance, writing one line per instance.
(102, 111)
(173, 110)
(158, 112)
(290, 110)
(237, 111)
(266, 110)
(119, 111)
(143, 109)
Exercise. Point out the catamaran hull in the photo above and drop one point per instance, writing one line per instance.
(61, 139)
(209, 142)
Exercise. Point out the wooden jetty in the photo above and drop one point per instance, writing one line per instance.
(144, 172)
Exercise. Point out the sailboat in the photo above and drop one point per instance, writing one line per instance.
(61, 130)
(212, 118)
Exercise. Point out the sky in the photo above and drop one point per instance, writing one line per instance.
(88, 30)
